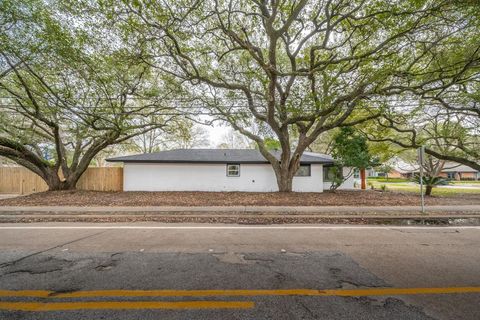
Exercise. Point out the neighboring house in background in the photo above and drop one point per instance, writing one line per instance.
(460, 172)
(394, 173)
(221, 170)
(452, 171)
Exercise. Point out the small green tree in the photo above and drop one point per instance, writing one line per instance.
(336, 177)
(350, 149)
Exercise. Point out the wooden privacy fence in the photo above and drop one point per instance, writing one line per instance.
(21, 180)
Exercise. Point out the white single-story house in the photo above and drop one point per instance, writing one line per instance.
(220, 170)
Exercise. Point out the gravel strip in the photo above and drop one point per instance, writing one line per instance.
(252, 220)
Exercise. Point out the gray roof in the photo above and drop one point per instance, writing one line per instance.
(214, 156)
(458, 168)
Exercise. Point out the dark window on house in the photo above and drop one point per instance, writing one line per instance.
(304, 170)
(233, 170)
(356, 173)
(329, 173)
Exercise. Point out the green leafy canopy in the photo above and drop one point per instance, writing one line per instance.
(350, 149)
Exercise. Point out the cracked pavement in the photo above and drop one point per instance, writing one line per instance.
(76, 260)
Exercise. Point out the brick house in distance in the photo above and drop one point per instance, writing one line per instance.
(460, 172)
(451, 171)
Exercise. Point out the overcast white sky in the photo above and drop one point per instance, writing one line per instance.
(216, 133)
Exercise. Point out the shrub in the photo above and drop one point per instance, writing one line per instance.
(430, 183)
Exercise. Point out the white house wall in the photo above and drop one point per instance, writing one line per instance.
(349, 183)
(212, 177)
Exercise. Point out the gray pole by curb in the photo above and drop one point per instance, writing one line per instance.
(421, 156)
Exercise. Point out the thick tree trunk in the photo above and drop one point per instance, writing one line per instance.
(71, 175)
(284, 168)
(284, 179)
(285, 184)
(428, 190)
(363, 178)
(56, 183)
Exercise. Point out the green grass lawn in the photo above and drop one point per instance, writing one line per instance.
(406, 186)
(466, 182)
(382, 179)
(398, 180)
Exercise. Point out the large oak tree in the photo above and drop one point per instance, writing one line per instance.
(443, 115)
(69, 88)
(292, 70)
(448, 130)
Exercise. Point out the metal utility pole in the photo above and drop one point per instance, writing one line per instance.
(421, 157)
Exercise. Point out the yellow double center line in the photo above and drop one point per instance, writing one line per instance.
(55, 306)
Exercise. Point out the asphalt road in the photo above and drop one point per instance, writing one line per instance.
(157, 271)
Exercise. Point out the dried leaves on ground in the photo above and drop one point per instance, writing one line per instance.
(339, 198)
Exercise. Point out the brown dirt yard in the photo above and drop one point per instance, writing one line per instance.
(339, 198)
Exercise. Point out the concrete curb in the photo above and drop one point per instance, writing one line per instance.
(401, 215)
